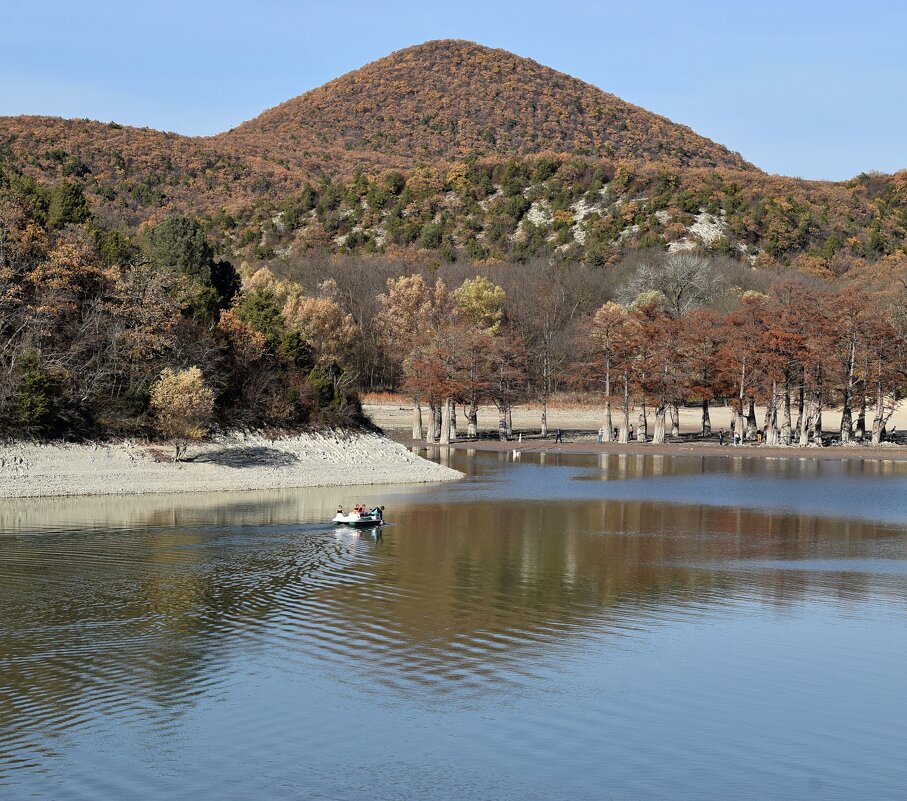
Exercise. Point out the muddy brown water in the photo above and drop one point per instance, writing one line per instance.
(566, 626)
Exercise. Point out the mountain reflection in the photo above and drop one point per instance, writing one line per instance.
(135, 605)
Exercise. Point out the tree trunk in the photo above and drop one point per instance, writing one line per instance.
(751, 426)
(444, 439)
(675, 420)
(739, 427)
(771, 418)
(878, 423)
(417, 420)
(624, 433)
(658, 435)
(816, 413)
(453, 421)
(803, 421)
(546, 388)
(472, 419)
(502, 422)
(846, 414)
(860, 430)
(642, 424)
(509, 422)
(800, 404)
(432, 427)
(609, 430)
(706, 419)
(740, 424)
(786, 431)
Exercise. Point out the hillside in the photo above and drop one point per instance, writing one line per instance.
(455, 151)
(447, 99)
(437, 102)
(576, 209)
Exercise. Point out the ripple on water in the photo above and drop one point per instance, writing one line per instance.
(525, 650)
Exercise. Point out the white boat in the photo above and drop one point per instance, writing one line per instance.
(356, 519)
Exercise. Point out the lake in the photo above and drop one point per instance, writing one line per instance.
(562, 627)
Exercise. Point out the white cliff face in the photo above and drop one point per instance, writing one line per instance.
(705, 230)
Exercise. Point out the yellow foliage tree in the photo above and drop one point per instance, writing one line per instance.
(480, 303)
(327, 329)
(182, 407)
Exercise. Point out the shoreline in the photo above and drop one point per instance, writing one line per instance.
(580, 428)
(234, 462)
(896, 453)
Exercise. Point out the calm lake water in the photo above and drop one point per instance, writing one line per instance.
(587, 628)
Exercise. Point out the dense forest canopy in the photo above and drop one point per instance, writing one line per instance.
(93, 321)
(446, 99)
(450, 221)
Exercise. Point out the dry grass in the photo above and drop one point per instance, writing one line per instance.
(385, 399)
(567, 401)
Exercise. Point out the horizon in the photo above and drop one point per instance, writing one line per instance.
(173, 79)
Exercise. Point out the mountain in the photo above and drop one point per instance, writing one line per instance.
(436, 102)
(445, 100)
(460, 151)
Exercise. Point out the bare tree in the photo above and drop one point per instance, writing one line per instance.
(686, 281)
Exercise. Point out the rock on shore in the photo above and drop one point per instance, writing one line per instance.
(232, 462)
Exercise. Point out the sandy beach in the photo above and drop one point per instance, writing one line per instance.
(229, 463)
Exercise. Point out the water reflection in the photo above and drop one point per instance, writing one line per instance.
(139, 610)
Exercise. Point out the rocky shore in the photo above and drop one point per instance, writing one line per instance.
(229, 463)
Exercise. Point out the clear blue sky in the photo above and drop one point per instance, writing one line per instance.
(813, 89)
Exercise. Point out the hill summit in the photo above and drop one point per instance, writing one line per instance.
(443, 100)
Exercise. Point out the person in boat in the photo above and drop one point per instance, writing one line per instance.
(378, 513)
(339, 509)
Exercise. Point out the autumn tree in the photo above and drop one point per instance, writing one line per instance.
(328, 331)
(608, 334)
(739, 355)
(887, 373)
(479, 307)
(657, 374)
(852, 316)
(413, 321)
(700, 337)
(182, 405)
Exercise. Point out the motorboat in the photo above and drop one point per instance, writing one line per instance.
(358, 519)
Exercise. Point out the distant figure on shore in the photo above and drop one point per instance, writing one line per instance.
(601, 435)
(616, 434)
(721, 437)
(557, 435)
(632, 434)
(736, 438)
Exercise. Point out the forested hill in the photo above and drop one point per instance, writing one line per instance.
(454, 151)
(448, 99)
(434, 103)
